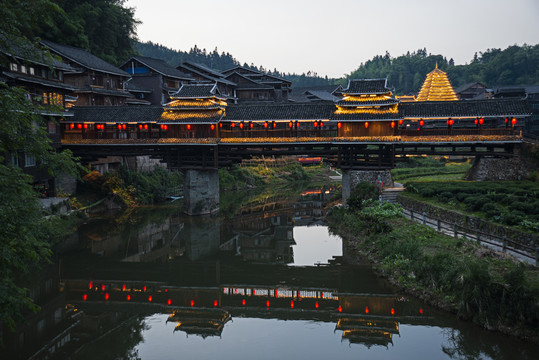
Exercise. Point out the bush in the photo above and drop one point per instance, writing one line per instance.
(362, 191)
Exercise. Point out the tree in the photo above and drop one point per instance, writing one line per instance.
(24, 244)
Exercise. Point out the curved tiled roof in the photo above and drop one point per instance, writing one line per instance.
(464, 108)
(190, 91)
(132, 113)
(294, 111)
(368, 103)
(366, 86)
(84, 58)
(161, 67)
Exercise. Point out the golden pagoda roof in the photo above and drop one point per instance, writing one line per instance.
(437, 87)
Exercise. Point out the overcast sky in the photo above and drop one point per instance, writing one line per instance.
(332, 37)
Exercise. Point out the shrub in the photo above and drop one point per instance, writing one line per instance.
(362, 191)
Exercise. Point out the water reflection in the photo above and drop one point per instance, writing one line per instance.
(154, 283)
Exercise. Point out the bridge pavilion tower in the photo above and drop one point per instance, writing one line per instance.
(437, 87)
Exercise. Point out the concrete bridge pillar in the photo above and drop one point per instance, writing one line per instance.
(201, 191)
(350, 179)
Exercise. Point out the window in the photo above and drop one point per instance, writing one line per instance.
(29, 160)
(14, 67)
(60, 76)
(23, 69)
(14, 159)
(31, 70)
(51, 127)
(44, 73)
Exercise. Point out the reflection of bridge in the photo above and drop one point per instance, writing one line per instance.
(370, 319)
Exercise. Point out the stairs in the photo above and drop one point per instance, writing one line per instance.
(390, 194)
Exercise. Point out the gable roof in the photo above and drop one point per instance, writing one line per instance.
(84, 58)
(248, 84)
(160, 66)
(196, 91)
(202, 71)
(366, 86)
(469, 108)
(282, 112)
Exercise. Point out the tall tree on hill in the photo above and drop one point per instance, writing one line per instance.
(104, 27)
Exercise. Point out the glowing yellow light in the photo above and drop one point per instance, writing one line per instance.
(436, 87)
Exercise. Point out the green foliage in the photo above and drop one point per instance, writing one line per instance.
(516, 65)
(512, 203)
(142, 187)
(363, 191)
(104, 27)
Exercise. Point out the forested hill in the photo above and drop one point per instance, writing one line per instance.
(222, 61)
(516, 65)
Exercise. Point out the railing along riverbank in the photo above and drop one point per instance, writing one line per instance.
(518, 250)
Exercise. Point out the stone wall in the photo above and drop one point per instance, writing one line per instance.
(201, 192)
(484, 169)
(351, 178)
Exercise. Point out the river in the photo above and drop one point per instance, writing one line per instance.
(265, 279)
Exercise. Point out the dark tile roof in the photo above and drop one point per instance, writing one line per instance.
(466, 87)
(463, 108)
(247, 84)
(84, 58)
(37, 80)
(121, 114)
(368, 103)
(366, 86)
(321, 95)
(200, 91)
(198, 69)
(240, 69)
(102, 91)
(203, 68)
(32, 53)
(161, 67)
(290, 111)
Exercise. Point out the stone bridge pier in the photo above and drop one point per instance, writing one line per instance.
(350, 179)
(201, 191)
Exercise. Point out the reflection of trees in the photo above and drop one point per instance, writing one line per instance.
(118, 343)
(468, 343)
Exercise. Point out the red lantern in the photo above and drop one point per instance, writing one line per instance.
(476, 121)
(215, 303)
(128, 297)
(169, 302)
(401, 121)
(106, 296)
(366, 310)
(84, 297)
(297, 124)
(220, 125)
(72, 126)
(145, 126)
(140, 126)
(265, 124)
(192, 303)
(339, 308)
(243, 302)
(450, 122)
(392, 124)
(188, 126)
(119, 126)
(316, 305)
(392, 311)
(421, 123)
(86, 126)
(506, 120)
(267, 303)
(233, 125)
(321, 124)
(339, 125)
(291, 304)
(150, 298)
(212, 127)
(366, 124)
(290, 124)
(316, 124)
(481, 121)
(241, 125)
(274, 124)
(124, 126)
(251, 124)
(513, 121)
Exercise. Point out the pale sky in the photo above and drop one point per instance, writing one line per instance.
(333, 37)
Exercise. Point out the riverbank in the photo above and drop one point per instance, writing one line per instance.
(459, 276)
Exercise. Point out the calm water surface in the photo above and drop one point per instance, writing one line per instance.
(264, 280)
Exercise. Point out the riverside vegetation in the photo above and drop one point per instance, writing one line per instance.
(456, 275)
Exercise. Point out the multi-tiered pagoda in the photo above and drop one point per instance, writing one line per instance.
(194, 105)
(367, 108)
(437, 87)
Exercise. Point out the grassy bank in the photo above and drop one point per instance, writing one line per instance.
(457, 275)
(430, 169)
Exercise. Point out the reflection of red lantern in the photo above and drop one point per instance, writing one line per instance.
(513, 121)
(339, 125)
(392, 124)
(421, 123)
(188, 126)
(401, 121)
(366, 124)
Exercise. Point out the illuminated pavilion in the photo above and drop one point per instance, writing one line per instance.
(437, 87)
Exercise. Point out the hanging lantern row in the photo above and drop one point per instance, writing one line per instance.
(122, 126)
(163, 127)
(479, 121)
(450, 122)
(143, 126)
